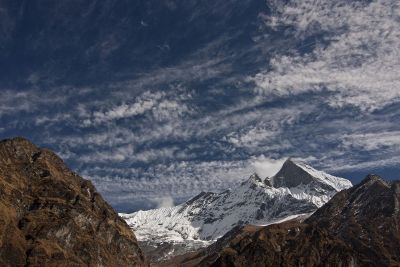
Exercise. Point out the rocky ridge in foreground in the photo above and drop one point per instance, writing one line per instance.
(49, 216)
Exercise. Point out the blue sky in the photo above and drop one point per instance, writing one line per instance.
(160, 100)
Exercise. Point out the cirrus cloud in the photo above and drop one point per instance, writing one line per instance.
(357, 58)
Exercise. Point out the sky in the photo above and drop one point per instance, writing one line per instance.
(157, 101)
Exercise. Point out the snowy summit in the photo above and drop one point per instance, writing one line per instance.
(297, 189)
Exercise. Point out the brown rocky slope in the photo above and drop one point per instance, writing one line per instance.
(357, 227)
(49, 216)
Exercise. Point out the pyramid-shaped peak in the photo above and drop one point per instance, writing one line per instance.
(296, 164)
(291, 161)
(294, 173)
(290, 175)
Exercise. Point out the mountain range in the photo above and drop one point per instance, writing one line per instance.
(359, 226)
(157, 133)
(50, 216)
(296, 190)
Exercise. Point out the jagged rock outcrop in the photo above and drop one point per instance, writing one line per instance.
(49, 216)
(357, 227)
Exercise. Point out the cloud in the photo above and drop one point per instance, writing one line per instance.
(180, 180)
(197, 68)
(160, 105)
(141, 105)
(265, 167)
(26, 101)
(55, 118)
(373, 141)
(164, 202)
(115, 154)
(252, 137)
(358, 57)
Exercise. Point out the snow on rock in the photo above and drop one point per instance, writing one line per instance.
(297, 189)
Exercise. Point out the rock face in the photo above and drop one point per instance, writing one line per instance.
(49, 216)
(297, 189)
(294, 174)
(357, 227)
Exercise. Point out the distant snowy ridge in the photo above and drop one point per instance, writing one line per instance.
(297, 189)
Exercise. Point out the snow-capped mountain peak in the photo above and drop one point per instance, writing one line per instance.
(295, 173)
(297, 189)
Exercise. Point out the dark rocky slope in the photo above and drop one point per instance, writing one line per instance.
(357, 227)
(49, 216)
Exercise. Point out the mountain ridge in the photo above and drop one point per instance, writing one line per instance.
(50, 216)
(208, 216)
(359, 226)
